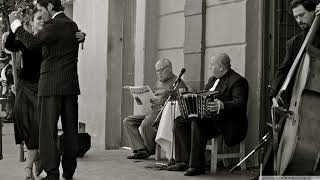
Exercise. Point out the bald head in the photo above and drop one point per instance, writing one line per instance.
(164, 62)
(220, 64)
(163, 69)
(222, 59)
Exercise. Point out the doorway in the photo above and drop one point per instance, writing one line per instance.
(128, 62)
(279, 26)
(120, 69)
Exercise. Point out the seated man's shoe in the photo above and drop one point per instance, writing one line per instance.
(140, 154)
(194, 171)
(180, 166)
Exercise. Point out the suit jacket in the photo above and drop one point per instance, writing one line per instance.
(293, 46)
(58, 72)
(232, 120)
(31, 59)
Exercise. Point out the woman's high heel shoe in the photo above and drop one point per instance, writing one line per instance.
(38, 168)
(29, 173)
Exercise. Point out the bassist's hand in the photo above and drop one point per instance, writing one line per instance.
(317, 11)
(277, 102)
(280, 101)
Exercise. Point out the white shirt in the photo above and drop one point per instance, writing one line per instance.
(215, 85)
(56, 14)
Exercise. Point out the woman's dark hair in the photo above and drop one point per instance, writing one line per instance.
(309, 5)
(56, 4)
(27, 21)
(34, 12)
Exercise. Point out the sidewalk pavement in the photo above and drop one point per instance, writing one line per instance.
(104, 165)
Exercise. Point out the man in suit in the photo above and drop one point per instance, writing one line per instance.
(143, 144)
(304, 12)
(58, 88)
(192, 134)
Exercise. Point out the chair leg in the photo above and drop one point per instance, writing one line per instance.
(242, 155)
(224, 151)
(158, 152)
(214, 155)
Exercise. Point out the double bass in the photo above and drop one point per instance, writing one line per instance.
(297, 148)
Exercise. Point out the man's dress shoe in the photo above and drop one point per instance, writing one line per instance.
(194, 171)
(140, 154)
(178, 167)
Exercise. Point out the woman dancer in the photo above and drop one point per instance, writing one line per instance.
(28, 73)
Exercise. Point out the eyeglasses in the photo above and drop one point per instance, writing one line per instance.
(162, 69)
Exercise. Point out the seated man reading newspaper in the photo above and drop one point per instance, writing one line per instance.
(143, 145)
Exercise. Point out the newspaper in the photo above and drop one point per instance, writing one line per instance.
(142, 96)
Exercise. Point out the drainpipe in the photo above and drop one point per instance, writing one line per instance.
(194, 44)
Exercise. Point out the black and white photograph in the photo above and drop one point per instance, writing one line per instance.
(159, 89)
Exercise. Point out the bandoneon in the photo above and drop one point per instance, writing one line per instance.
(195, 104)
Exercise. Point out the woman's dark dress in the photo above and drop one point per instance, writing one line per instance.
(26, 121)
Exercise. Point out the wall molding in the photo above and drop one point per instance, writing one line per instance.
(171, 48)
(171, 13)
(227, 45)
(223, 2)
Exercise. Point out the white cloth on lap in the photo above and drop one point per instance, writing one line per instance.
(165, 135)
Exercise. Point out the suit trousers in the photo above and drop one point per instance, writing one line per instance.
(191, 136)
(50, 109)
(145, 140)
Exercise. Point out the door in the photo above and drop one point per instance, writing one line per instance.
(128, 62)
(280, 26)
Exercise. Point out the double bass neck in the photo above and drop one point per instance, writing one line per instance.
(308, 40)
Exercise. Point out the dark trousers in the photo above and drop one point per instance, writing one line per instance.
(50, 109)
(191, 136)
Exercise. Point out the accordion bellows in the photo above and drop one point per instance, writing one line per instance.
(195, 104)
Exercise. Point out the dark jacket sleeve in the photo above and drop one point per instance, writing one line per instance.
(12, 44)
(9, 75)
(283, 69)
(46, 36)
(239, 92)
